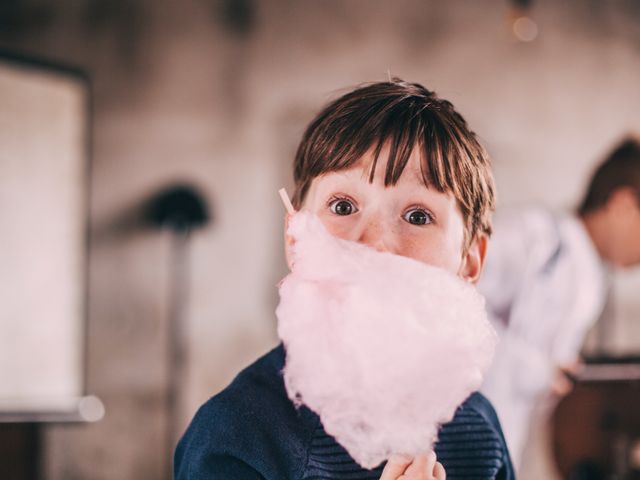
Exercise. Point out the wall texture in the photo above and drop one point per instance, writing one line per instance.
(218, 92)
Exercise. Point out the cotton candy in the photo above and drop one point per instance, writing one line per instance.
(382, 347)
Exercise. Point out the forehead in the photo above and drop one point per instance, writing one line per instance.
(360, 179)
(372, 169)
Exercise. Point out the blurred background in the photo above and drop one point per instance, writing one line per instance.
(212, 96)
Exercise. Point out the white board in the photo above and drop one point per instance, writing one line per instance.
(43, 214)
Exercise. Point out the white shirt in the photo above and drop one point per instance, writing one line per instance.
(545, 286)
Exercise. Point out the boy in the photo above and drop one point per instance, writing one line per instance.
(392, 166)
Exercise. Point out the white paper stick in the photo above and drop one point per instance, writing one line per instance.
(287, 203)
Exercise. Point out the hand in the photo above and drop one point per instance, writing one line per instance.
(422, 467)
(564, 378)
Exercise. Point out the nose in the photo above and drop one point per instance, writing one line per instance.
(378, 235)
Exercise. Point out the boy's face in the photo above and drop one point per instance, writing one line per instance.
(406, 219)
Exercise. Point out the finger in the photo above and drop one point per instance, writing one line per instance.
(562, 384)
(419, 467)
(431, 461)
(438, 472)
(395, 467)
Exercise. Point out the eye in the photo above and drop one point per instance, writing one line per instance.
(342, 206)
(418, 216)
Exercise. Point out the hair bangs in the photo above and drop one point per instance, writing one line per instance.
(398, 117)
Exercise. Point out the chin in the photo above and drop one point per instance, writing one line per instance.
(626, 262)
(632, 263)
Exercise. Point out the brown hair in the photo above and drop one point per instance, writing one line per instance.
(621, 168)
(402, 115)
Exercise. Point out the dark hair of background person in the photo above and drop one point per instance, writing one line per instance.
(620, 169)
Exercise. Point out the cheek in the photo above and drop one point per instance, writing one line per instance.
(312, 204)
(432, 249)
(340, 227)
(625, 244)
(632, 238)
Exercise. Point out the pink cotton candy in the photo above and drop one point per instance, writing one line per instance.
(383, 348)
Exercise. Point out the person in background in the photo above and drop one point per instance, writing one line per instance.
(546, 280)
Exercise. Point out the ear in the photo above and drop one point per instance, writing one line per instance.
(288, 242)
(473, 259)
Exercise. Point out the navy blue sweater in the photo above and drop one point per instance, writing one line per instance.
(252, 431)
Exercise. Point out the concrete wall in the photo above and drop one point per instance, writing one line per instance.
(219, 95)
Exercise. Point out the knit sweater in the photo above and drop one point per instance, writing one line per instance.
(252, 431)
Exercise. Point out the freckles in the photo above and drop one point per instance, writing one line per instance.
(432, 249)
(334, 230)
(335, 227)
(413, 247)
(419, 249)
